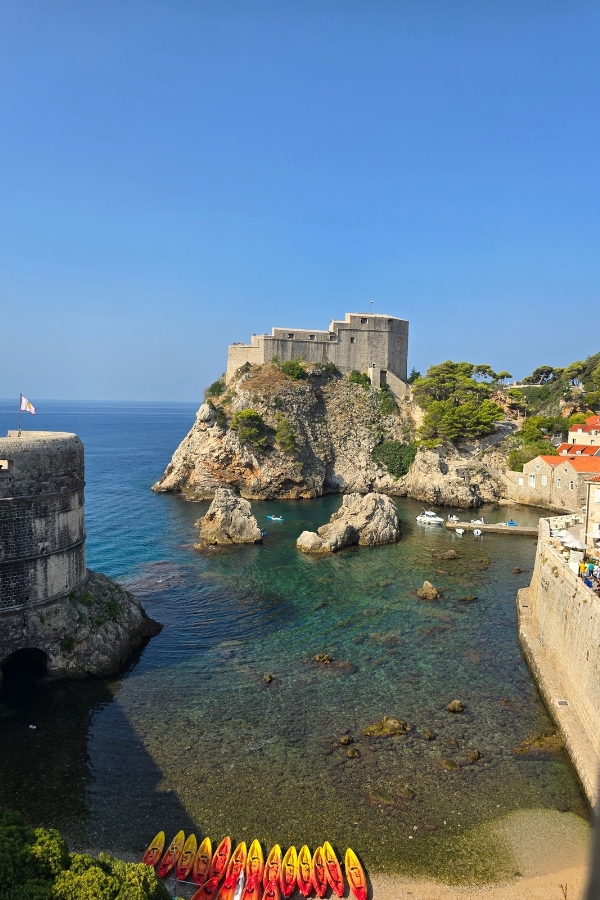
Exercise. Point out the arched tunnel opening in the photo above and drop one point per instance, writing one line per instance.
(22, 670)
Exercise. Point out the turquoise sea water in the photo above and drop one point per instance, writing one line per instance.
(193, 736)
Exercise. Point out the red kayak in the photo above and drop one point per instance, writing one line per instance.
(208, 891)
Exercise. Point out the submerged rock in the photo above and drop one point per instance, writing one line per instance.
(428, 592)
(444, 554)
(470, 598)
(364, 520)
(455, 706)
(548, 741)
(229, 520)
(386, 727)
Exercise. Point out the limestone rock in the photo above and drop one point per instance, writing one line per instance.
(446, 476)
(386, 727)
(91, 632)
(444, 554)
(309, 542)
(365, 520)
(428, 592)
(229, 520)
(455, 706)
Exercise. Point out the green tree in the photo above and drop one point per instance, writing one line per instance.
(503, 376)
(413, 376)
(250, 428)
(450, 381)
(285, 434)
(575, 372)
(482, 371)
(216, 388)
(541, 375)
(468, 421)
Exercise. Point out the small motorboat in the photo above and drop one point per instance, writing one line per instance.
(460, 531)
(453, 518)
(477, 522)
(275, 518)
(428, 517)
(477, 532)
(512, 522)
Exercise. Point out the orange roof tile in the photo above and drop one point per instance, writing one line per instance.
(577, 450)
(594, 479)
(579, 463)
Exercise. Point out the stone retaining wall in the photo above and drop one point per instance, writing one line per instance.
(559, 630)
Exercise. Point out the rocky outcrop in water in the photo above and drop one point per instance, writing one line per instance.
(365, 520)
(93, 631)
(317, 437)
(428, 592)
(229, 520)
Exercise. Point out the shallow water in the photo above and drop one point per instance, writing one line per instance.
(193, 736)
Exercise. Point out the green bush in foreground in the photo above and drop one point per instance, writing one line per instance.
(395, 456)
(35, 865)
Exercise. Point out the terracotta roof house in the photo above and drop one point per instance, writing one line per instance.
(588, 434)
(555, 482)
(578, 450)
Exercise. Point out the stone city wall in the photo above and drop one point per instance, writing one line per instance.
(42, 528)
(559, 630)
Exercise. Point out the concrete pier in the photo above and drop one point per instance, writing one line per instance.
(499, 528)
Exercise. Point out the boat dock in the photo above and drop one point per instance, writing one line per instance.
(499, 528)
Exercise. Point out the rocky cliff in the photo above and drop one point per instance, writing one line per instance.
(93, 631)
(331, 427)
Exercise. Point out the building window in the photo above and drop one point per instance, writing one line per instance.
(390, 321)
(363, 321)
(311, 337)
(571, 485)
(559, 482)
(332, 337)
(290, 335)
(597, 495)
(537, 465)
(532, 481)
(544, 480)
(6, 464)
(520, 479)
(352, 340)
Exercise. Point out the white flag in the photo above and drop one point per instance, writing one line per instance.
(26, 406)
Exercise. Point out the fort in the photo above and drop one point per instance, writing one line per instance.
(56, 617)
(367, 342)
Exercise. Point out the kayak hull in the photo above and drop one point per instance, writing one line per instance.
(318, 874)
(303, 875)
(171, 857)
(333, 870)
(289, 871)
(154, 851)
(208, 891)
(355, 875)
(272, 867)
(202, 862)
(186, 860)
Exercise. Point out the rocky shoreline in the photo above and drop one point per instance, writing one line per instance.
(331, 428)
(91, 632)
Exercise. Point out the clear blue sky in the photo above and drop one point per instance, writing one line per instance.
(177, 175)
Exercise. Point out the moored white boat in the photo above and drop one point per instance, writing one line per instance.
(478, 532)
(453, 518)
(459, 531)
(428, 517)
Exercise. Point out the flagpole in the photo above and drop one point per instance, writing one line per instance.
(20, 397)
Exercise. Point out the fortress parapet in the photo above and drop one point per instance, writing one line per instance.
(42, 526)
(371, 343)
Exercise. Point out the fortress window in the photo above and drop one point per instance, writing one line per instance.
(352, 340)
(390, 321)
(5, 465)
(290, 335)
(398, 342)
(332, 337)
(363, 321)
(311, 337)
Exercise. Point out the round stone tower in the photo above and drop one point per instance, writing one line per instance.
(42, 525)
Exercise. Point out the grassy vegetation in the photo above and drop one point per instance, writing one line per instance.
(216, 388)
(396, 457)
(356, 377)
(35, 865)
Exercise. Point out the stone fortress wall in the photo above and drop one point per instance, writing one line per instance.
(559, 631)
(42, 527)
(371, 343)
